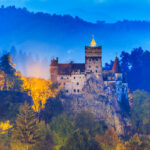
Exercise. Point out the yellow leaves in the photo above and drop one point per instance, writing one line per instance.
(40, 90)
(120, 146)
(4, 126)
(2, 80)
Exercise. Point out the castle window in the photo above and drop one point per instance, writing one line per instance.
(96, 71)
(64, 83)
(74, 77)
(74, 90)
(61, 77)
(77, 83)
(78, 90)
(67, 91)
(89, 66)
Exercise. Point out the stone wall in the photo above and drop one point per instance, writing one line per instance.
(101, 101)
(73, 84)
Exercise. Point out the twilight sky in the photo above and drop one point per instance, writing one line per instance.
(90, 10)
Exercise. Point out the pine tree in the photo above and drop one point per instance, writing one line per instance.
(27, 126)
(12, 78)
(7, 65)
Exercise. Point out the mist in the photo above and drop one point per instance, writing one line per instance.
(29, 64)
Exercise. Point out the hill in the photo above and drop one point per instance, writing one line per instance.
(64, 36)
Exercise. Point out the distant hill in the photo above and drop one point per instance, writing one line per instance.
(65, 36)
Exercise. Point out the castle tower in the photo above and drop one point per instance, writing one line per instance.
(117, 70)
(116, 67)
(93, 58)
(54, 70)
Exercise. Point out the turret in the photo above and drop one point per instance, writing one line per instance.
(117, 70)
(93, 62)
(54, 70)
(116, 67)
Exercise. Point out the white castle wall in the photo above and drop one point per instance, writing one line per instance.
(72, 84)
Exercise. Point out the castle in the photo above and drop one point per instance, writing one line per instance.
(73, 76)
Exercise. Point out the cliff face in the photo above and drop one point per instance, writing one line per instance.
(100, 102)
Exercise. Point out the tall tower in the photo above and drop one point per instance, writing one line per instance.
(54, 70)
(93, 58)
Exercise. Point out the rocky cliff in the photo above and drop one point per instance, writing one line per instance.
(101, 101)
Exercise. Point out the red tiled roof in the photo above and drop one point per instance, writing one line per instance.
(67, 69)
(116, 67)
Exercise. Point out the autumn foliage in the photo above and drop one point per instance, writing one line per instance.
(109, 140)
(5, 126)
(40, 90)
(11, 80)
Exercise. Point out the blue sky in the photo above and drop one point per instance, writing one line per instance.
(90, 10)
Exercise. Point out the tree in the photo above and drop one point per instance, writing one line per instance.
(46, 140)
(62, 127)
(140, 111)
(84, 120)
(81, 140)
(136, 66)
(4, 127)
(7, 65)
(26, 130)
(108, 66)
(52, 108)
(134, 143)
(12, 79)
(109, 140)
(40, 90)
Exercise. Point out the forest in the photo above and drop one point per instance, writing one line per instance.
(32, 116)
(64, 36)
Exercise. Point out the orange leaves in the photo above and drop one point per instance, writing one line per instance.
(40, 90)
(109, 140)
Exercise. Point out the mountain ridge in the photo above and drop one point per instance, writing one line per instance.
(27, 31)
